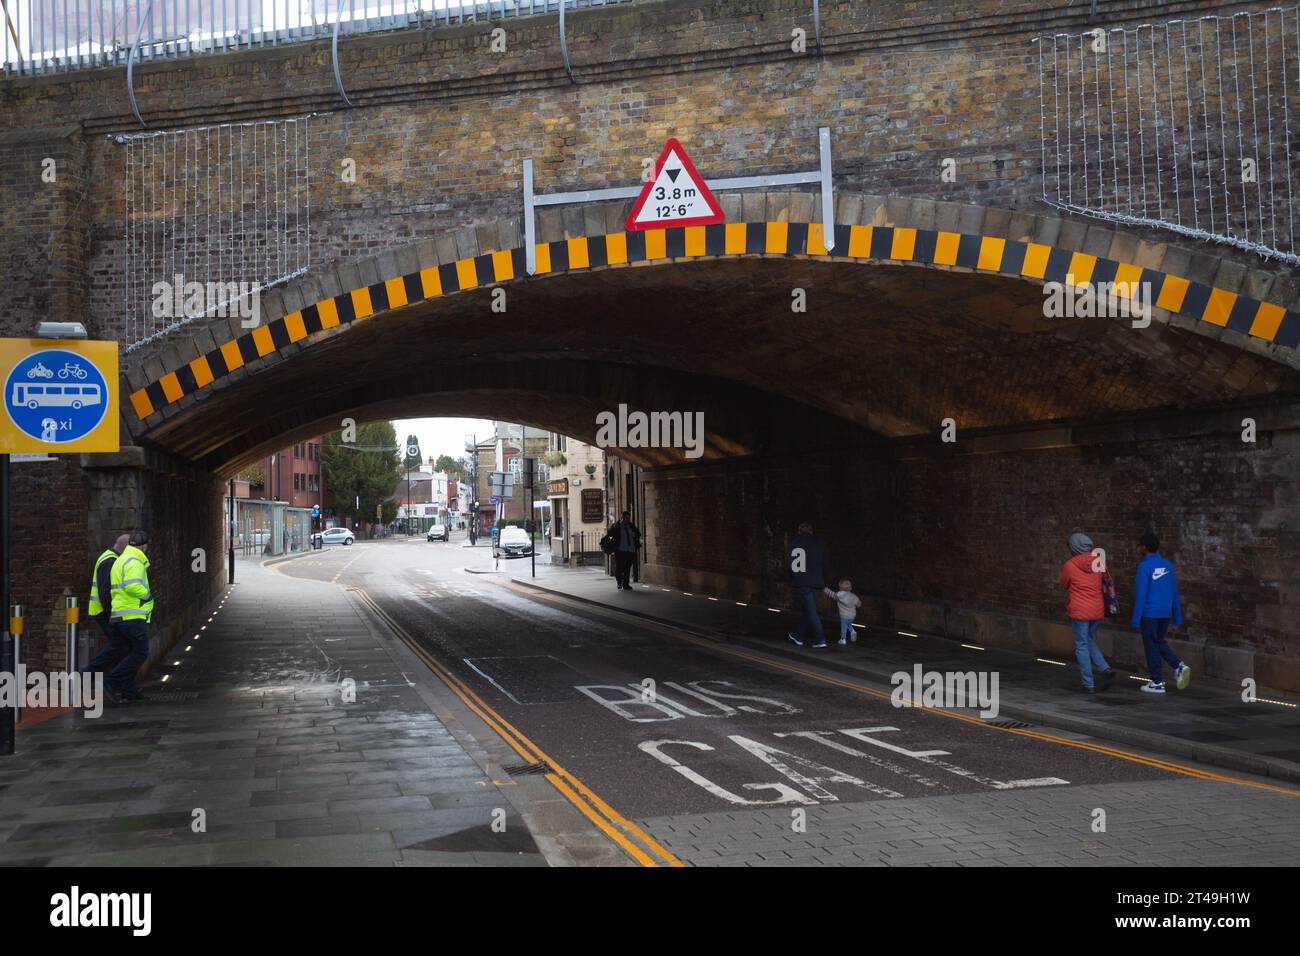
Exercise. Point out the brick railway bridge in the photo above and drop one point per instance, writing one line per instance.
(928, 307)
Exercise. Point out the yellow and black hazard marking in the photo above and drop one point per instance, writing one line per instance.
(987, 254)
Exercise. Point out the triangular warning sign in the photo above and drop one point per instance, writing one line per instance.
(675, 196)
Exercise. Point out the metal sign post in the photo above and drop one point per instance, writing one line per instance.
(60, 395)
(230, 557)
(821, 176)
(16, 635)
(7, 655)
(530, 482)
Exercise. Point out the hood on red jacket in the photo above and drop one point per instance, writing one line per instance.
(1084, 561)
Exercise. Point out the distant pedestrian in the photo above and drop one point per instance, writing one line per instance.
(100, 608)
(132, 614)
(848, 604)
(809, 568)
(1082, 577)
(1155, 604)
(623, 539)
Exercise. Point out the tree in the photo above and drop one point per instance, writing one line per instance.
(366, 469)
(451, 466)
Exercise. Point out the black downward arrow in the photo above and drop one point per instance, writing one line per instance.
(673, 173)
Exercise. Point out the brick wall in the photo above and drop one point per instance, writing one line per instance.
(988, 532)
(46, 242)
(49, 553)
(64, 515)
(443, 124)
(969, 545)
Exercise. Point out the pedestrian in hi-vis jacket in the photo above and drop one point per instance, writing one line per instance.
(1155, 605)
(100, 608)
(132, 614)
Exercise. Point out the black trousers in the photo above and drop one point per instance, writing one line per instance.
(623, 566)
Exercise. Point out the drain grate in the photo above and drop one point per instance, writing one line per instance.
(1008, 724)
(173, 696)
(528, 769)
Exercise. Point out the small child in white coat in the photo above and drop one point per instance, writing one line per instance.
(848, 604)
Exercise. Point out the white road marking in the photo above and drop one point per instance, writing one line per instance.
(787, 794)
(488, 678)
(1034, 782)
(821, 736)
(929, 757)
(807, 781)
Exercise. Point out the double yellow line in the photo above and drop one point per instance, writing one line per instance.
(631, 838)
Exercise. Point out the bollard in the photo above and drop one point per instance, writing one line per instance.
(72, 615)
(16, 632)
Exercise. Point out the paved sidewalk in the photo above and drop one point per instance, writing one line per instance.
(1233, 827)
(1204, 722)
(251, 733)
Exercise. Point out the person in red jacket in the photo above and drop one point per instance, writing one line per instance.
(1081, 576)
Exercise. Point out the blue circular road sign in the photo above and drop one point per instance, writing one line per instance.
(56, 396)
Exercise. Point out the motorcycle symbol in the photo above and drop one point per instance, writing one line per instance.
(39, 371)
(69, 368)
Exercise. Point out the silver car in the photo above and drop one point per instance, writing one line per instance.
(337, 536)
(515, 542)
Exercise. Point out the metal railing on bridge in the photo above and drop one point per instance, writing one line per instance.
(1182, 124)
(44, 36)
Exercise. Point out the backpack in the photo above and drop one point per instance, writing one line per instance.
(607, 543)
(1108, 594)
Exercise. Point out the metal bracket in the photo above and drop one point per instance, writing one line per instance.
(530, 220)
(828, 198)
(822, 176)
(334, 53)
(564, 44)
(130, 65)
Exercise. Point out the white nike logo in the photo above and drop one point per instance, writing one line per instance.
(1159, 573)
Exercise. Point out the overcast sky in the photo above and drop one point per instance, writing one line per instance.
(442, 436)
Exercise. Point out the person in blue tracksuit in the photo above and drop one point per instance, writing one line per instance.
(1155, 605)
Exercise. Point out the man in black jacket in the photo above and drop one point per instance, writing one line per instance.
(625, 539)
(810, 572)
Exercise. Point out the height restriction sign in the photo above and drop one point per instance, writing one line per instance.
(60, 395)
(675, 196)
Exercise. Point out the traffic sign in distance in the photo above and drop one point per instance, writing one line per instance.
(675, 196)
(59, 396)
(501, 484)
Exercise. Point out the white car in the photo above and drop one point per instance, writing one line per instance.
(515, 542)
(337, 536)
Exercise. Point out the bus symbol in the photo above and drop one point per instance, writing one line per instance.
(46, 396)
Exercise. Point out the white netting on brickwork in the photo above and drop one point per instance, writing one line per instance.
(1184, 125)
(212, 214)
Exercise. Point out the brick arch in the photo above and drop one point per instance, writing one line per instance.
(564, 396)
(1196, 291)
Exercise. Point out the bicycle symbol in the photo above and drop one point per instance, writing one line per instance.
(73, 369)
(39, 371)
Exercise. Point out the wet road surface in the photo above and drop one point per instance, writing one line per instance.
(658, 725)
